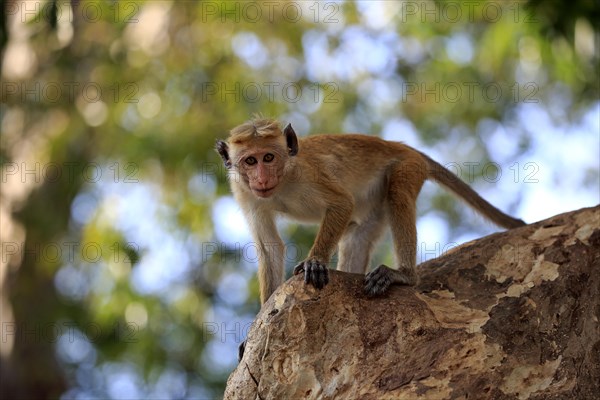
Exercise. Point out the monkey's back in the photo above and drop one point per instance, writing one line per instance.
(357, 163)
(353, 157)
(359, 145)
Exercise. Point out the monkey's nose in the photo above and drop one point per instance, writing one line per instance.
(262, 179)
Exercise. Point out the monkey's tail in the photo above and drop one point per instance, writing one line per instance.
(444, 177)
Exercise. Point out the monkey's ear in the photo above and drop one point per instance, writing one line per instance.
(291, 139)
(223, 151)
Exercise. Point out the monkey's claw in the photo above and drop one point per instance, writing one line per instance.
(315, 272)
(378, 280)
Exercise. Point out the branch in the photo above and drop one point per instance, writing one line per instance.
(511, 315)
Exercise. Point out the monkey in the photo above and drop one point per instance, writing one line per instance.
(352, 184)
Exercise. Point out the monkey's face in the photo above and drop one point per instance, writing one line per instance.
(260, 161)
(262, 170)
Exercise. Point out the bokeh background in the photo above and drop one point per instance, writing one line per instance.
(127, 269)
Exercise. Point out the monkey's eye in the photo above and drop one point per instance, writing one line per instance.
(250, 161)
(268, 157)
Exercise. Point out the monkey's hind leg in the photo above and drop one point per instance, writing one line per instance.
(357, 243)
(405, 181)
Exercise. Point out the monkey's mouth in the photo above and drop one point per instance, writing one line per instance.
(263, 192)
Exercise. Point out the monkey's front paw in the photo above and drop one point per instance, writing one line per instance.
(315, 272)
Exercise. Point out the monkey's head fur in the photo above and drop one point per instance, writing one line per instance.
(258, 151)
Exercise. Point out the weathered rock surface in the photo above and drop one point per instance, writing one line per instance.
(514, 315)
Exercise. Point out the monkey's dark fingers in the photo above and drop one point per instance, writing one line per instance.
(316, 273)
(378, 280)
(319, 275)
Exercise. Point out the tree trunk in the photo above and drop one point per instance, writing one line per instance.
(514, 315)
